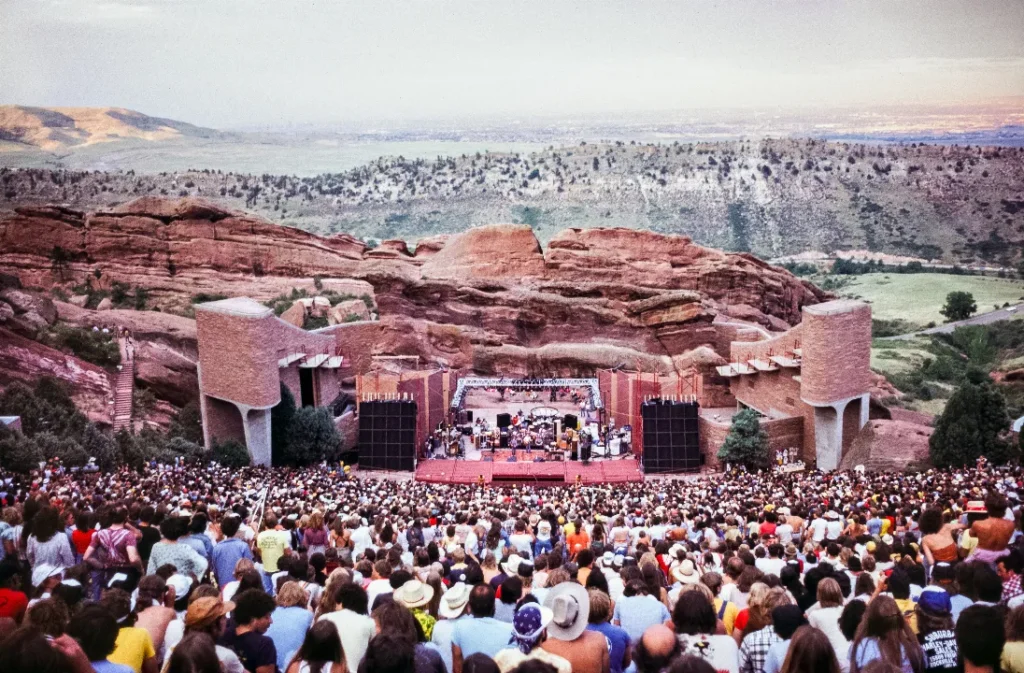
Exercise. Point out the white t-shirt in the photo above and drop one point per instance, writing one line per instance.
(718, 650)
(818, 527)
(361, 540)
(522, 543)
(770, 566)
(784, 533)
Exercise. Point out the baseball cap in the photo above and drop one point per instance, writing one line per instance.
(935, 599)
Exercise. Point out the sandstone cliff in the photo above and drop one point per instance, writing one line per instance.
(490, 299)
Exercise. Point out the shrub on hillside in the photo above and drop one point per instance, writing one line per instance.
(972, 425)
(95, 347)
(230, 454)
(959, 305)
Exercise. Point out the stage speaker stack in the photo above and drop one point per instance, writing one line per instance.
(504, 420)
(387, 435)
(570, 421)
(469, 415)
(671, 436)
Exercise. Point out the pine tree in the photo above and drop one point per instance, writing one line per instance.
(972, 425)
(747, 443)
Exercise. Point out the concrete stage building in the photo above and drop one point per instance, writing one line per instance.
(810, 384)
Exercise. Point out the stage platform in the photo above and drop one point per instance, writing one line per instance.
(522, 472)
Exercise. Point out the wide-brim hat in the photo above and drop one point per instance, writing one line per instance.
(454, 601)
(414, 594)
(511, 566)
(204, 611)
(685, 573)
(570, 607)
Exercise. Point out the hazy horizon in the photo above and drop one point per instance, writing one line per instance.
(260, 63)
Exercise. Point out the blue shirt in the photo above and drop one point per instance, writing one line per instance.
(636, 613)
(481, 634)
(868, 651)
(107, 666)
(618, 639)
(875, 526)
(226, 555)
(288, 631)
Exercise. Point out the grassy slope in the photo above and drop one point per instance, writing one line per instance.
(919, 297)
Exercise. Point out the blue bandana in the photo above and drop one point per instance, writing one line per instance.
(526, 628)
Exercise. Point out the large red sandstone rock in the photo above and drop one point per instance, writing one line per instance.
(489, 298)
(889, 445)
(23, 360)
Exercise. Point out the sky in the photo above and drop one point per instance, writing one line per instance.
(250, 63)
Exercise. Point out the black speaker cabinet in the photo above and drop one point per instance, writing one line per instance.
(469, 415)
(671, 436)
(504, 420)
(387, 435)
(570, 421)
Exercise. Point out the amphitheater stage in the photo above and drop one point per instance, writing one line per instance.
(551, 472)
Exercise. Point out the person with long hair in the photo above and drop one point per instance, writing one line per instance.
(321, 651)
(694, 623)
(937, 541)
(826, 617)
(291, 620)
(755, 645)
(885, 634)
(810, 652)
(48, 544)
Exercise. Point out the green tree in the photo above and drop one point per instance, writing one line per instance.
(19, 453)
(313, 437)
(747, 443)
(65, 449)
(973, 424)
(960, 305)
(281, 417)
(100, 447)
(131, 451)
(230, 454)
(187, 423)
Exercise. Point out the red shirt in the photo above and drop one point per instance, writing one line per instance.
(81, 540)
(12, 604)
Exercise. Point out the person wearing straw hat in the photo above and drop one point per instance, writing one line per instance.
(529, 629)
(415, 596)
(568, 635)
(685, 573)
(451, 612)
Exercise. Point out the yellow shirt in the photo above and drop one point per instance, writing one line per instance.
(907, 607)
(729, 618)
(272, 544)
(133, 647)
(1013, 657)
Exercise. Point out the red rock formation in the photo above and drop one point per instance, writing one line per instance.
(889, 445)
(24, 360)
(489, 298)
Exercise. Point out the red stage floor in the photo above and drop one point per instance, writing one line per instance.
(554, 472)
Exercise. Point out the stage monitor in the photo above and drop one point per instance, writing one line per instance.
(387, 435)
(671, 436)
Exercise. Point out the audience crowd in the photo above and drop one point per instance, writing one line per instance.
(201, 569)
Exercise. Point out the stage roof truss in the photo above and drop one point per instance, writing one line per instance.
(468, 382)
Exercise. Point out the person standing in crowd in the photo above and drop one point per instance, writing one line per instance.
(321, 652)
(252, 617)
(935, 631)
(354, 627)
(134, 646)
(529, 627)
(810, 652)
(980, 639)
(273, 543)
(452, 611)
(884, 634)
(568, 635)
(290, 621)
(695, 625)
(229, 551)
(120, 553)
(169, 551)
(96, 631)
(483, 633)
(619, 652)
(47, 545)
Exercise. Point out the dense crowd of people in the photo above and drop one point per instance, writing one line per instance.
(201, 569)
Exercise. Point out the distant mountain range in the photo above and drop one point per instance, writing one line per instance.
(54, 129)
